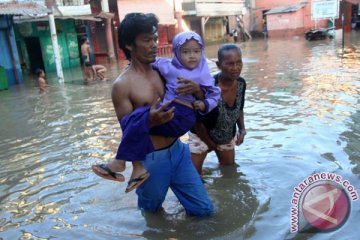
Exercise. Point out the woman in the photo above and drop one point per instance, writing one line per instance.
(217, 130)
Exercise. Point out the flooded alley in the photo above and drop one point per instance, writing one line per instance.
(302, 115)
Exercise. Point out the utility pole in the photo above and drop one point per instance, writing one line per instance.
(55, 47)
(342, 5)
(178, 15)
(343, 30)
(108, 30)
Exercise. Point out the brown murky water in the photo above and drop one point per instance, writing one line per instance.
(302, 115)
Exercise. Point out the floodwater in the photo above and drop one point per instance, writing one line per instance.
(302, 115)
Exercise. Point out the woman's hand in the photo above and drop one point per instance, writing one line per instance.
(188, 86)
(240, 135)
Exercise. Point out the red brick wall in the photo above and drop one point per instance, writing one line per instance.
(300, 18)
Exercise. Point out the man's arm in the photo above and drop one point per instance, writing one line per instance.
(123, 106)
(88, 53)
(121, 99)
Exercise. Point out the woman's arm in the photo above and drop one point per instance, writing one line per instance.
(242, 131)
(204, 136)
(240, 121)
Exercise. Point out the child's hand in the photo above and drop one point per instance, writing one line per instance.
(199, 105)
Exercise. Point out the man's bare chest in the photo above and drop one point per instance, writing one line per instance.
(145, 93)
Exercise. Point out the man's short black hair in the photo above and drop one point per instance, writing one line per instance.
(226, 47)
(83, 39)
(134, 24)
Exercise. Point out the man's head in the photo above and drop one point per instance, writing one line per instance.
(230, 61)
(134, 26)
(84, 39)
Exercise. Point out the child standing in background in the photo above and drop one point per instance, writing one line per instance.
(41, 80)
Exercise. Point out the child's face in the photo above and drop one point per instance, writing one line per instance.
(42, 74)
(231, 64)
(190, 54)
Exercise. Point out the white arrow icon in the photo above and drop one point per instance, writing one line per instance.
(331, 196)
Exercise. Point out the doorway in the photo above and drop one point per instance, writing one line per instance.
(264, 23)
(34, 52)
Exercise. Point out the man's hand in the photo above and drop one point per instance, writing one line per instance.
(199, 105)
(188, 86)
(160, 116)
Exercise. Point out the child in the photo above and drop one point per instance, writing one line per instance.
(41, 80)
(99, 71)
(189, 61)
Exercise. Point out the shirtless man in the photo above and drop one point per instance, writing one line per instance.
(85, 58)
(91, 71)
(141, 86)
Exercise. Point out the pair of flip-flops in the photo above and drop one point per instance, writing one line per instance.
(102, 170)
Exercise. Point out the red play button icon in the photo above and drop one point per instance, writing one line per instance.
(325, 206)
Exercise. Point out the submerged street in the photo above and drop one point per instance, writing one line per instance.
(302, 115)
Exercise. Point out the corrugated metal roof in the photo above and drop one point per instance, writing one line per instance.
(285, 9)
(45, 18)
(78, 10)
(22, 8)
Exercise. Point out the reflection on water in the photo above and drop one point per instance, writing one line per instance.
(302, 117)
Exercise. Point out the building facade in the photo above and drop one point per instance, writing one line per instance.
(10, 67)
(282, 18)
(215, 20)
(163, 9)
(10, 71)
(36, 49)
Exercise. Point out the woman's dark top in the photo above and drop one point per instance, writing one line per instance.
(221, 121)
